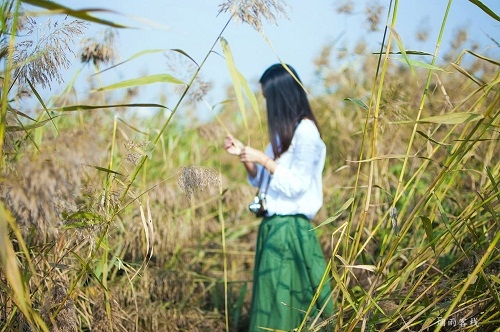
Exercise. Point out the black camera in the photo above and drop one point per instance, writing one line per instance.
(259, 206)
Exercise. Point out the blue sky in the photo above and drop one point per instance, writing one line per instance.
(194, 25)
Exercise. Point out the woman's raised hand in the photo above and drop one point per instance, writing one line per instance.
(251, 155)
(233, 146)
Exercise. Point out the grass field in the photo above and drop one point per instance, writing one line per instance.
(113, 221)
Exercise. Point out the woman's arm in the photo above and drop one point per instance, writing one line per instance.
(249, 156)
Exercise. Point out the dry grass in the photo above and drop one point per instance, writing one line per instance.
(42, 56)
(99, 51)
(96, 270)
(254, 12)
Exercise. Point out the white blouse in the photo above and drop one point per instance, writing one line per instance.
(296, 186)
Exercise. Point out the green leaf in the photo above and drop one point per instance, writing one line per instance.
(80, 215)
(453, 118)
(14, 111)
(132, 127)
(408, 52)
(482, 57)
(186, 55)
(358, 102)
(28, 127)
(464, 72)
(250, 95)
(430, 138)
(428, 231)
(235, 77)
(151, 79)
(132, 58)
(399, 42)
(107, 170)
(486, 9)
(74, 108)
(495, 278)
(81, 14)
(417, 63)
(33, 89)
(493, 182)
(337, 214)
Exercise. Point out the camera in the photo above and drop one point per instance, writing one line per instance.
(258, 206)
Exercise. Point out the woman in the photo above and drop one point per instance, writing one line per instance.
(289, 262)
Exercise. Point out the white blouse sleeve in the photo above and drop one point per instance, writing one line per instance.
(256, 180)
(294, 179)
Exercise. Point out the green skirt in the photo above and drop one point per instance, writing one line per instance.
(289, 266)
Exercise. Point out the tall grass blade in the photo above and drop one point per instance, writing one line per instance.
(105, 170)
(494, 183)
(472, 276)
(28, 127)
(186, 55)
(358, 102)
(430, 138)
(251, 97)
(476, 80)
(482, 57)
(236, 79)
(145, 226)
(73, 108)
(56, 8)
(453, 118)
(337, 214)
(144, 80)
(137, 55)
(421, 64)
(429, 231)
(40, 100)
(10, 268)
(486, 9)
(399, 42)
(14, 111)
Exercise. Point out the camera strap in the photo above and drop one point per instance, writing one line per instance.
(261, 179)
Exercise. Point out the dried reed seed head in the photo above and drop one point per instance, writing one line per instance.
(422, 35)
(96, 53)
(66, 319)
(25, 24)
(373, 14)
(360, 47)
(133, 157)
(253, 12)
(199, 88)
(4, 50)
(211, 133)
(101, 320)
(461, 36)
(42, 60)
(136, 150)
(42, 189)
(345, 7)
(99, 51)
(197, 178)
(323, 59)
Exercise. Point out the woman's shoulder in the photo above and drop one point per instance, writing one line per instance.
(307, 128)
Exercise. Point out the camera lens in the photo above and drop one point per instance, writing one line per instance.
(254, 207)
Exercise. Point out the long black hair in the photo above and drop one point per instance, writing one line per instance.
(286, 103)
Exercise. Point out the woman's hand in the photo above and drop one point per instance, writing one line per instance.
(233, 146)
(251, 155)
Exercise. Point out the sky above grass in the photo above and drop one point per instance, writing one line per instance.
(193, 26)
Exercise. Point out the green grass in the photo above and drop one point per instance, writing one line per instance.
(116, 222)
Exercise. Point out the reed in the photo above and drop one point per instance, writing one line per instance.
(110, 221)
